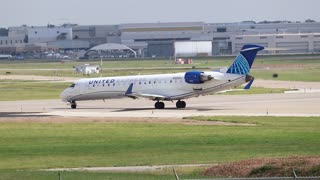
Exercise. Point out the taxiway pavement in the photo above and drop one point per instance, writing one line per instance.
(300, 104)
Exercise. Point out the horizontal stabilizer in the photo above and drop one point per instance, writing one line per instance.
(248, 86)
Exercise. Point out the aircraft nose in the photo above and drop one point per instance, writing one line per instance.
(63, 96)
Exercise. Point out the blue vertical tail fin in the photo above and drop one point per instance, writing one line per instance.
(243, 62)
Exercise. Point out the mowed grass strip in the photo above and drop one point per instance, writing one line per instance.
(38, 175)
(54, 145)
(308, 74)
(308, 67)
(148, 63)
(12, 90)
(159, 174)
(255, 90)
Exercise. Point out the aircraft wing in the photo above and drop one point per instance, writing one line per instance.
(230, 90)
(147, 96)
(133, 95)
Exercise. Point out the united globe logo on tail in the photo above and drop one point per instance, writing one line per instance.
(243, 62)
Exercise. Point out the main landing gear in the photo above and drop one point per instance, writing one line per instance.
(159, 105)
(73, 105)
(179, 105)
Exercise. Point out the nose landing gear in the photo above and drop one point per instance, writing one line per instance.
(73, 105)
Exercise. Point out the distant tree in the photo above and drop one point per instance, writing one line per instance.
(249, 22)
(310, 21)
(51, 26)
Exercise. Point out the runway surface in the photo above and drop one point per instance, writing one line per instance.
(301, 104)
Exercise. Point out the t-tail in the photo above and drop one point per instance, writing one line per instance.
(243, 62)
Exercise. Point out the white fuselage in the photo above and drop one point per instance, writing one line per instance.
(170, 86)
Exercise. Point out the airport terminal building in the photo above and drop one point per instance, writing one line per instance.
(170, 39)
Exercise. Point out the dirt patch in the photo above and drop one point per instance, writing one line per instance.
(35, 118)
(275, 167)
(156, 168)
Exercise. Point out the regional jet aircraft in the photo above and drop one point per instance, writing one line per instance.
(165, 87)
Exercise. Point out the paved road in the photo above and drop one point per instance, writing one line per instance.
(301, 104)
(132, 168)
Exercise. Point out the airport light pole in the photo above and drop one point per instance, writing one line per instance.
(101, 62)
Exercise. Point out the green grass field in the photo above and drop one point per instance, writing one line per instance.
(38, 175)
(163, 174)
(12, 90)
(309, 67)
(308, 74)
(255, 90)
(51, 145)
(27, 147)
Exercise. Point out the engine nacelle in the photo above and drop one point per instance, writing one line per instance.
(197, 77)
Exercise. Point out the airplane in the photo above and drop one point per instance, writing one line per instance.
(165, 87)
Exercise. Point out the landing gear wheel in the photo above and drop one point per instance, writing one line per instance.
(181, 104)
(73, 105)
(159, 105)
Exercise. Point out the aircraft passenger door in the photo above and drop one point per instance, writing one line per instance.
(83, 88)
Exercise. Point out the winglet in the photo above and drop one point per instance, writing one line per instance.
(129, 90)
(248, 86)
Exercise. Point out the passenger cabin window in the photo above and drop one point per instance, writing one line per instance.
(73, 85)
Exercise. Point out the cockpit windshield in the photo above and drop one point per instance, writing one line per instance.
(72, 85)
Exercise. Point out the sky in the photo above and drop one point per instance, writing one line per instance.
(104, 12)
